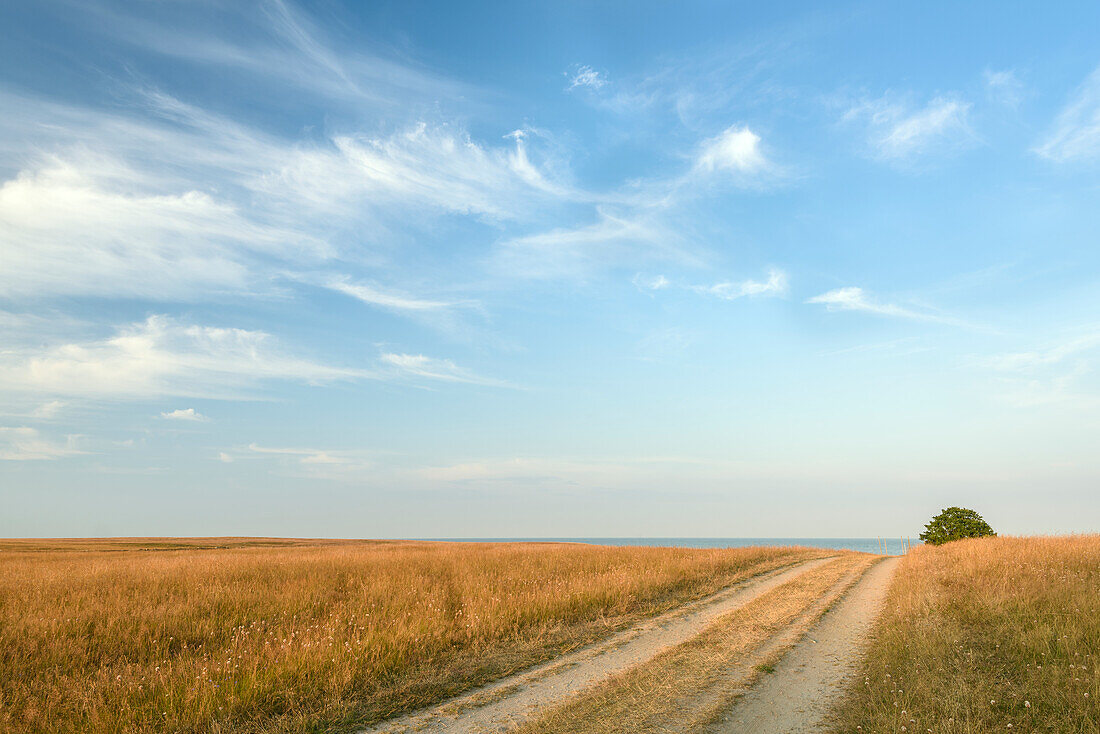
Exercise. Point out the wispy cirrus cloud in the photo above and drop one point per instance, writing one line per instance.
(167, 201)
(275, 45)
(1056, 373)
(304, 461)
(585, 76)
(376, 296)
(856, 299)
(1036, 360)
(434, 167)
(1003, 87)
(899, 131)
(22, 443)
(1075, 134)
(48, 409)
(613, 240)
(774, 285)
(97, 227)
(648, 284)
(638, 223)
(162, 356)
(433, 369)
(306, 455)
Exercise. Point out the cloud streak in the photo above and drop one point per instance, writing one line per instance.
(170, 202)
(898, 132)
(613, 240)
(775, 285)
(163, 356)
(442, 370)
(856, 299)
(23, 443)
(374, 296)
(1047, 376)
(1075, 134)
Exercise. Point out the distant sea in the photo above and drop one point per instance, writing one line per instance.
(892, 546)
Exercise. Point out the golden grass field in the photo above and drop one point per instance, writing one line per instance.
(986, 635)
(255, 635)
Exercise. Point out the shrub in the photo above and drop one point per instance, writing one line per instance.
(955, 523)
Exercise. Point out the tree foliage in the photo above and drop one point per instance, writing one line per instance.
(955, 523)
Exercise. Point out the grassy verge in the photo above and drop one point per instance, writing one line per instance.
(996, 634)
(686, 687)
(264, 636)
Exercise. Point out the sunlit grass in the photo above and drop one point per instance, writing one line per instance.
(227, 635)
(987, 635)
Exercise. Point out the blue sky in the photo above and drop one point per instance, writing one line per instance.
(558, 269)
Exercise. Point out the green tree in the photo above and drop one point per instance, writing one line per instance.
(955, 523)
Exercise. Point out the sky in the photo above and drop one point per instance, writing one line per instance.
(407, 269)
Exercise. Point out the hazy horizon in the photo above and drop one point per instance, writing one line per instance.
(560, 270)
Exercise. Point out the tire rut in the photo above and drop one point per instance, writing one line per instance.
(509, 701)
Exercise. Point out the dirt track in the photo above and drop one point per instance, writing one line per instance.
(795, 698)
(807, 680)
(509, 701)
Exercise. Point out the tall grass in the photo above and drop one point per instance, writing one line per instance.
(218, 636)
(986, 635)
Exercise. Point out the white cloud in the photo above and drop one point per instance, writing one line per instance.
(736, 149)
(657, 283)
(162, 356)
(27, 444)
(586, 76)
(1047, 376)
(896, 131)
(1003, 87)
(169, 201)
(95, 227)
(225, 458)
(423, 166)
(330, 464)
(444, 370)
(184, 414)
(1075, 134)
(856, 299)
(375, 296)
(577, 252)
(1029, 362)
(48, 409)
(305, 456)
(775, 285)
(276, 46)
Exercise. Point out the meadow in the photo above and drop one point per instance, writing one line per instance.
(267, 635)
(986, 635)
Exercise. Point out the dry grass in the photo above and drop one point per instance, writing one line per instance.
(260, 635)
(687, 687)
(988, 635)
